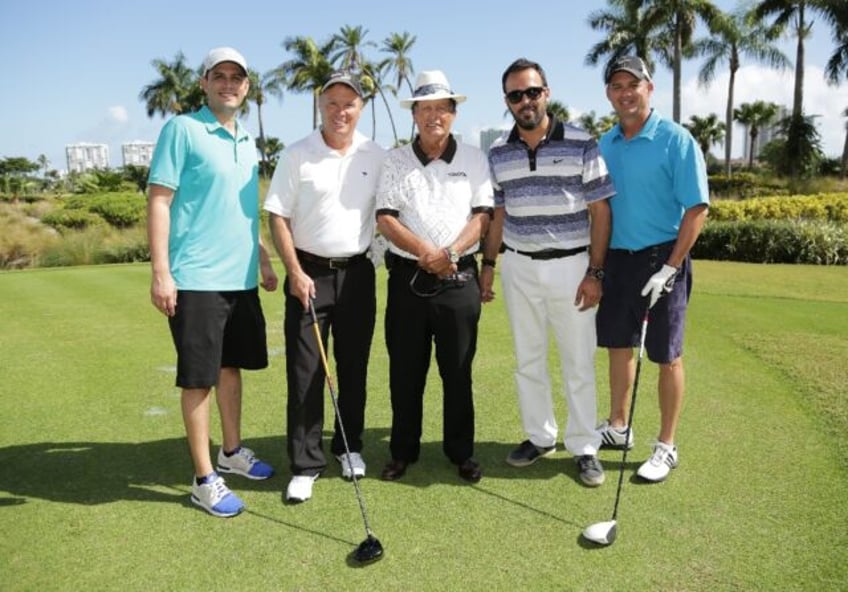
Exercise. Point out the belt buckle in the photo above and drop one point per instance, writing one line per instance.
(337, 262)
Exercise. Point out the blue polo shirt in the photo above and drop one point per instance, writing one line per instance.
(658, 174)
(214, 235)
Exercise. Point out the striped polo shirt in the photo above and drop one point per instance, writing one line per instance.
(545, 191)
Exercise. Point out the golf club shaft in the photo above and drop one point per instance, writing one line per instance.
(632, 408)
(323, 354)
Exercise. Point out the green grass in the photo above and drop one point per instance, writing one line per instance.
(94, 469)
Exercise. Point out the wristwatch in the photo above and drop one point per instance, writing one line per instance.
(453, 256)
(595, 272)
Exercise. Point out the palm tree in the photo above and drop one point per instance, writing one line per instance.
(43, 164)
(559, 110)
(676, 21)
(836, 69)
(349, 41)
(307, 71)
(372, 78)
(625, 32)
(706, 131)
(795, 12)
(734, 36)
(398, 46)
(597, 127)
(260, 88)
(176, 91)
(755, 115)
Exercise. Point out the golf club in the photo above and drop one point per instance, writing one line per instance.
(370, 549)
(604, 533)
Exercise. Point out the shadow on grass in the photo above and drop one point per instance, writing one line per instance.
(91, 473)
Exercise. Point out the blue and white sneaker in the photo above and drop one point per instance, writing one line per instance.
(243, 462)
(213, 495)
(663, 459)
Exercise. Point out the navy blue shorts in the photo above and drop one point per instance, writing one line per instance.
(214, 330)
(620, 312)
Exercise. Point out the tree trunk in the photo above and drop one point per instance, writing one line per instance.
(263, 149)
(676, 68)
(844, 169)
(728, 122)
(752, 147)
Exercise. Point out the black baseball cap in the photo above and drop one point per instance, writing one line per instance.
(631, 64)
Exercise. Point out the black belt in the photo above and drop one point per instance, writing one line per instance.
(549, 253)
(395, 259)
(652, 248)
(331, 262)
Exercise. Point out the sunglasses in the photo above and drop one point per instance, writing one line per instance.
(533, 93)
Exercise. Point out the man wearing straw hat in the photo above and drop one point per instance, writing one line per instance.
(434, 203)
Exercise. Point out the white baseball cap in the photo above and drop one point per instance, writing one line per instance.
(223, 54)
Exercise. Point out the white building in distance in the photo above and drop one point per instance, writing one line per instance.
(85, 157)
(488, 136)
(137, 153)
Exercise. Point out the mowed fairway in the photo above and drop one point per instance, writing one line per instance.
(95, 473)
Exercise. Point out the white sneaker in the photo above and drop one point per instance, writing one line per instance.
(355, 460)
(614, 437)
(663, 459)
(300, 488)
(215, 497)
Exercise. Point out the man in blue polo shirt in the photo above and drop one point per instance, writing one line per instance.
(205, 253)
(657, 214)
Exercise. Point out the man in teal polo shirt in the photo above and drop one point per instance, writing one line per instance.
(205, 253)
(658, 211)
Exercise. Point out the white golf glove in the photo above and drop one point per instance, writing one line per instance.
(660, 283)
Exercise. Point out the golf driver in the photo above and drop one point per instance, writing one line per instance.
(370, 549)
(604, 533)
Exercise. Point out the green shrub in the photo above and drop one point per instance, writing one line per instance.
(774, 241)
(743, 185)
(71, 219)
(831, 207)
(121, 210)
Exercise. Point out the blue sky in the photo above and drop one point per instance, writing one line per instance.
(74, 70)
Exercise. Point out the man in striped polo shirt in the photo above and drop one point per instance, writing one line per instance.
(552, 222)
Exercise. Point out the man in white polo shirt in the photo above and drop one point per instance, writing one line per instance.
(434, 202)
(321, 205)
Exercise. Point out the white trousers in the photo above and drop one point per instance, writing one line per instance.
(539, 294)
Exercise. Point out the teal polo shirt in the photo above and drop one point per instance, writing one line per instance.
(214, 235)
(658, 174)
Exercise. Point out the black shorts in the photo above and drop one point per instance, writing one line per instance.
(619, 318)
(214, 330)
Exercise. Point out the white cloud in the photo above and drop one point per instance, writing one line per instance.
(118, 114)
(757, 83)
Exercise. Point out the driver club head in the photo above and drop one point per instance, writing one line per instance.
(601, 533)
(368, 551)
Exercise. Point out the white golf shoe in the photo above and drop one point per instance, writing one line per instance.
(356, 461)
(300, 488)
(663, 459)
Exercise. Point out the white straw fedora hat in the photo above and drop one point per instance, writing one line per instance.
(431, 85)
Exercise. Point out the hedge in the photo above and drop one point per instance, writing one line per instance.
(774, 241)
(831, 207)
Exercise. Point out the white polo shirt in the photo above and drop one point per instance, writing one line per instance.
(434, 201)
(327, 196)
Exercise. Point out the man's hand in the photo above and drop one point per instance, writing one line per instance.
(269, 276)
(163, 294)
(486, 281)
(660, 283)
(588, 293)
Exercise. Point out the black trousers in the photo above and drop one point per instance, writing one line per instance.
(414, 323)
(345, 306)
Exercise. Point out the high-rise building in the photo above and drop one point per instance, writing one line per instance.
(85, 157)
(488, 136)
(137, 153)
(765, 134)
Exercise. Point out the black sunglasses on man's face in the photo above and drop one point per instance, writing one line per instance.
(533, 93)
